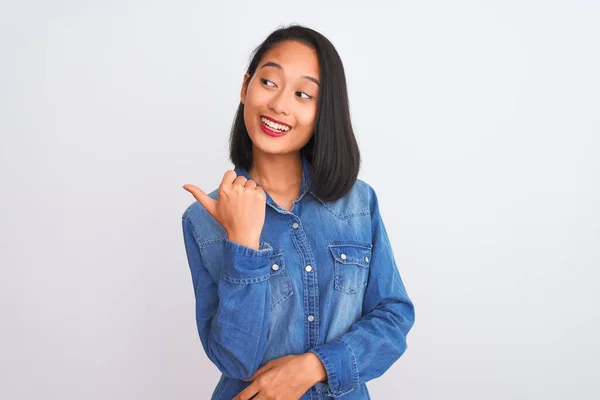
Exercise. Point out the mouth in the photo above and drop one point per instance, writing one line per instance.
(273, 127)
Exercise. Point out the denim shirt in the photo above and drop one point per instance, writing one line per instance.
(324, 280)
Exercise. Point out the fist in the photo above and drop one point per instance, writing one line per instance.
(239, 208)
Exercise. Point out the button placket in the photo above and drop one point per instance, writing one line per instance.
(310, 282)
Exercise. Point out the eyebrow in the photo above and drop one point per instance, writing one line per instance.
(274, 64)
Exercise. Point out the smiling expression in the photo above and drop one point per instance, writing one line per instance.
(280, 104)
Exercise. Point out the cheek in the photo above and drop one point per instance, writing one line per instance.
(254, 102)
(256, 96)
(306, 117)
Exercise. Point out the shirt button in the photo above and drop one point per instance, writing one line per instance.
(308, 268)
(275, 267)
(367, 259)
(311, 318)
(295, 225)
(343, 256)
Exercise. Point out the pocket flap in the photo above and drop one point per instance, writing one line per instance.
(351, 254)
(277, 262)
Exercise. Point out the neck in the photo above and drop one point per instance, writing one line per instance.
(276, 173)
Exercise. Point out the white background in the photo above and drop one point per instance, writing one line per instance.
(479, 127)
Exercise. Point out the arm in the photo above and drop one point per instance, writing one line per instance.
(378, 339)
(232, 315)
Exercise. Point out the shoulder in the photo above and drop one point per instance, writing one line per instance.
(368, 195)
(358, 201)
(205, 227)
(362, 191)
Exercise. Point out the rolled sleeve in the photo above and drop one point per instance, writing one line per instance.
(244, 264)
(340, 364)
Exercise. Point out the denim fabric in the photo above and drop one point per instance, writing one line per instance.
(324, 280)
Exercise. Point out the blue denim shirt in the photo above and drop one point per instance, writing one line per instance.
(324, 280)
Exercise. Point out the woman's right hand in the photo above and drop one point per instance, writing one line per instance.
(239, 208)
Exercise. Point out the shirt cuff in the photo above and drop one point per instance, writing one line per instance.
(245, 264)
(342, 371)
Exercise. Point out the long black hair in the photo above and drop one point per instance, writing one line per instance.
(332, 150)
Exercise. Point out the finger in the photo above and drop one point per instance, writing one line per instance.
(208, 202)
(261, 371)
(247, 393)
(251, 185)
(240, 180)
(228, 177)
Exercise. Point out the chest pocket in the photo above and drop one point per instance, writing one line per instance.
(351, 263)
(281, 284)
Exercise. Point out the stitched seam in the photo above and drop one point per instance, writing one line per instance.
(353, 243)
(277, 253)
(284, 275)
(245, 280)
(346, 262)
(355, 377)
(284, 297)
(298, 248)
(344, 217)
(355, 381)
(365, 252)
(195, 235)
(331, 374)
(212, 241)
(339, 263)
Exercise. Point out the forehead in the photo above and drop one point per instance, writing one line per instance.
(296, 58)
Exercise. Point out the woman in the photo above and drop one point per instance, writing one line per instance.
(297, 292)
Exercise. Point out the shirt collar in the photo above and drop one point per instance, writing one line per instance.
(306, 179)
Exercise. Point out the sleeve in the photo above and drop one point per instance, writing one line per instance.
(232, 314)
(378, 339)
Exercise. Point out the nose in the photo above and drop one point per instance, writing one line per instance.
(279, 103)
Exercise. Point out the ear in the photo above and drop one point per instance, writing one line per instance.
(244, 88)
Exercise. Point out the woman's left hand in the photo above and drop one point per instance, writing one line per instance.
(287, 377)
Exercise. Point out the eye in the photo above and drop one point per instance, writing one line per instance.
(264, 82)
(299, 94)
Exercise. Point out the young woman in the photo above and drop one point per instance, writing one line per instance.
(297, 291)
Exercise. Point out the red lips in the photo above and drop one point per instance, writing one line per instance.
(276, 121)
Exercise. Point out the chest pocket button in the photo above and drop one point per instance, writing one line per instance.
(351, 266)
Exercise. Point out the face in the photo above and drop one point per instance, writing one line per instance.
(280, 104)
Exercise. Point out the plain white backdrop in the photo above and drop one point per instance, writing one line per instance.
(479, 126)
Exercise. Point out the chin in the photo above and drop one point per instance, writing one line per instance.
(273, 147)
